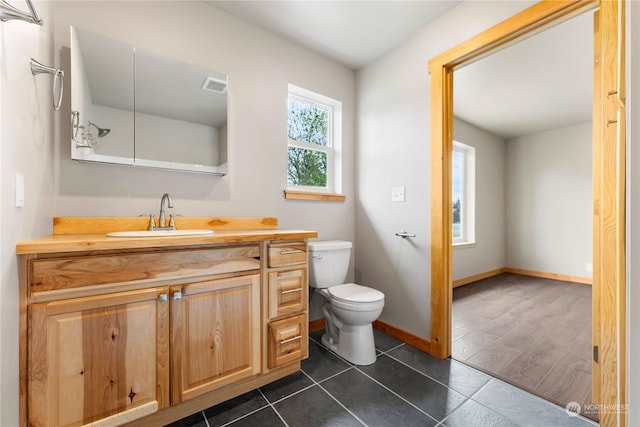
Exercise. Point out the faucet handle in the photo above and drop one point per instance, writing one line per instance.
(172, 222)
(152, 222)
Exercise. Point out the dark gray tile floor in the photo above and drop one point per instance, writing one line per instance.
(404, 387)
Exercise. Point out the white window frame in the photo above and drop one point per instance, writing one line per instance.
(468, 197)
(333, 149)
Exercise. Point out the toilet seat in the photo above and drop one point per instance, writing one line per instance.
(350, 292)
(351, 296)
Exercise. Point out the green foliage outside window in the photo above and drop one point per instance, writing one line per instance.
(457, 232)
(307, 124)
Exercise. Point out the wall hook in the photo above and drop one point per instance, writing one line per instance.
(8, 12)
(38, 68)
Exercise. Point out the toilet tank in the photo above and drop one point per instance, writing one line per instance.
(328, 262)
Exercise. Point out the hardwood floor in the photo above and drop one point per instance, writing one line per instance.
(533, 333)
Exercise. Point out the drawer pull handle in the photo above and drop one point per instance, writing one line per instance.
(290, 340)
(291, 252)
(290, 291)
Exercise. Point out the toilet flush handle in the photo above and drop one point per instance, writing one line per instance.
(316, 256)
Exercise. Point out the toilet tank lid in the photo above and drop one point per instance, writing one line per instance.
(328, 245)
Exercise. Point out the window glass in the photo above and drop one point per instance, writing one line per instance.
(463, 194)
(458, 187)
(308, 123)
(307, 167)
(313, 134)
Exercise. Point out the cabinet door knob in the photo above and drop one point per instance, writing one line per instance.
(177, 295)
(162, 297)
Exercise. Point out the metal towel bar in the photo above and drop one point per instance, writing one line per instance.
(8, 12)
(38, 68)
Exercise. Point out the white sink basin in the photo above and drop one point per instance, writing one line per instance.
(159, 233)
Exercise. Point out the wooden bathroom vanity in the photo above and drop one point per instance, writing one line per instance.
(148, 330)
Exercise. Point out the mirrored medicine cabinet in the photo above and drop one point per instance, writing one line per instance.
(134, 107)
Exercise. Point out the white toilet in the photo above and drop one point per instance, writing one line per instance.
(350, 309)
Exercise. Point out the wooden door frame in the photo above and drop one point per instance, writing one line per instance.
(609, 316)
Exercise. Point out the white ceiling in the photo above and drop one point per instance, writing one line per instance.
(353, 32)
(542, 83)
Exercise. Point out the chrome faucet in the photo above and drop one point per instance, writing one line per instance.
(162, 220)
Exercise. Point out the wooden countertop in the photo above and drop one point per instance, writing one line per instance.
(69, 238)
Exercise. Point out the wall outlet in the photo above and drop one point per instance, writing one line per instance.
(397, 194)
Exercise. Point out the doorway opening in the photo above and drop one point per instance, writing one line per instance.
(609, 365)
(528, 321)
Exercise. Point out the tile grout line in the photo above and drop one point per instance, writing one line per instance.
(532, 395)
(273, 407)
(206, 421)
(318, 383)
(468, 398)
(384, 353)
(395, 394)
(267, 404)
(341, 404)
(431, 378)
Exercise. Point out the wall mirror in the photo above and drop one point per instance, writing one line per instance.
(134, 107)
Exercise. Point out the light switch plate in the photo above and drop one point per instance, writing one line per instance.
(19, 191)
(397, 194)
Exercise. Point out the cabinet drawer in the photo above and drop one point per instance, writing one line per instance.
(288, 340)
(49, 274)
(290, 253)
(288, 292)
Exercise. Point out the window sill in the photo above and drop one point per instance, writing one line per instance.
(306, 195)
(463, 245)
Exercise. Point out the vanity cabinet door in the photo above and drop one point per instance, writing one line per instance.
(98, 357)
(215, 335)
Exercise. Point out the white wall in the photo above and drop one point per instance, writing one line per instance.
(533, 202)
(549, 201)
(489, 252)
(26, 147)
(393, 150)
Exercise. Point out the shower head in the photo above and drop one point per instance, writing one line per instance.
(101, 131)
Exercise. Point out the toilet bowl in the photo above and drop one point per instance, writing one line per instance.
(350, 308)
